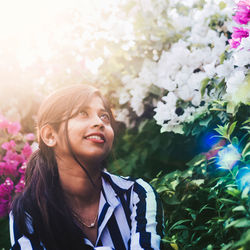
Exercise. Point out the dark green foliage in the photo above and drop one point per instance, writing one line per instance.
(144, 152)
(4, 234)
(205, 206)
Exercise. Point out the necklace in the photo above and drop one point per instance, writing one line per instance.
(79, 219)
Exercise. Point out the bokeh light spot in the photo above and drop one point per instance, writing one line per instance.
(228, 156)
(243, 178)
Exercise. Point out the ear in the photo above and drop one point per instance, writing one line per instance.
(48, 135)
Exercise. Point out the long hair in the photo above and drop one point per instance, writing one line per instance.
(43, 199)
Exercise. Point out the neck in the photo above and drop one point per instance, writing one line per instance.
(77, 186)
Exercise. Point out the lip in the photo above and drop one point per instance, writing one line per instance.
(102, 140)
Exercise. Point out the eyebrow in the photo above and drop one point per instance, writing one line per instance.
(87, 107)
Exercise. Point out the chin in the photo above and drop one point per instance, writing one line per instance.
(95, 157)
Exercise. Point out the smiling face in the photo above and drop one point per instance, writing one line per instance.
(89, 131)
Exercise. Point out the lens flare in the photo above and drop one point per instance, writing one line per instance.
(208, 140)
(243, 178)
(227, 157)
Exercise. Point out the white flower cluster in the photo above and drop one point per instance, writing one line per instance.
(180, 70)
(158, 53)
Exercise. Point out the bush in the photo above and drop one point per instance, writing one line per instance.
(207, 206)
(14, 153)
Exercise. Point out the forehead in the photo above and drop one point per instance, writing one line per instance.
(94, 102)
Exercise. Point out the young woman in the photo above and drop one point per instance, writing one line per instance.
(70, 202)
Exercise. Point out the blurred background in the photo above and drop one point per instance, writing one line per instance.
(177, 76)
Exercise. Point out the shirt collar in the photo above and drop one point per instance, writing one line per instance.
(112, 187)
(119, 184)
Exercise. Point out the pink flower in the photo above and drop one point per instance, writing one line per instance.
(242, 15)
(26, 151)
(234, 43)
(30, 137)
(22, 169)
(239, 33)
(11, 145)
(13, 158)
(5, 196)
(4, 123)
(14, 128)
(20, 185)
(8, 169)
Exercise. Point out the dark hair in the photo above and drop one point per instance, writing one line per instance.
(43, 198)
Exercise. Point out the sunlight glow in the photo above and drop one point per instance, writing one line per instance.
(29, 28)
(228, 156)
(243, 178)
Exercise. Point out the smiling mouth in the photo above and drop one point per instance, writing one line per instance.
(95, 138)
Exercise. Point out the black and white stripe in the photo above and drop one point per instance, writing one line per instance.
(130, 217)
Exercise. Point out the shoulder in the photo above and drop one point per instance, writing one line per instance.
(122, 183)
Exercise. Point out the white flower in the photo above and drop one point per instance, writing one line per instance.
(166, 83)
(194, 82)
(123, 97)
(196, 100)
(122, 115)
(148, 72)
(245, 44)
(170, 99)
(210, 69)
(235, 81)
(225, 69)
(185, 93)
(242, 57)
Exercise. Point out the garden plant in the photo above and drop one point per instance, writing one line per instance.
(177, 75)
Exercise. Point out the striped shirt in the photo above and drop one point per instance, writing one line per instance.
(130, 217)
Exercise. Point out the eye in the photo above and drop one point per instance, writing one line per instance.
(105, 117)
(83, 113)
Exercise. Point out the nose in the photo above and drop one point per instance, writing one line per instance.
(97, 122)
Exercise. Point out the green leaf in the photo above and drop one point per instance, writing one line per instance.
(231, 128)
(234, 192)
(227, 246)
(222, 58)
(231, 107)
(244, 222)
(178, 223)
(206, 121)
(235, 141)
(197, 160)
(222, 5)
(239, 209)
(198, 182)
(198, 228)
(180, 227)
(209, 247)
(245, 193)
(224, 200)
(204, 84)
(246, 150)
(142, 125)
(155, 90)
(192, 213)
(206, 207)
(246, 127)
(163, 189)
(244, 241)
(222, 130)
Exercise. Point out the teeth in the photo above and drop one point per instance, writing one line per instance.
(94, 137)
